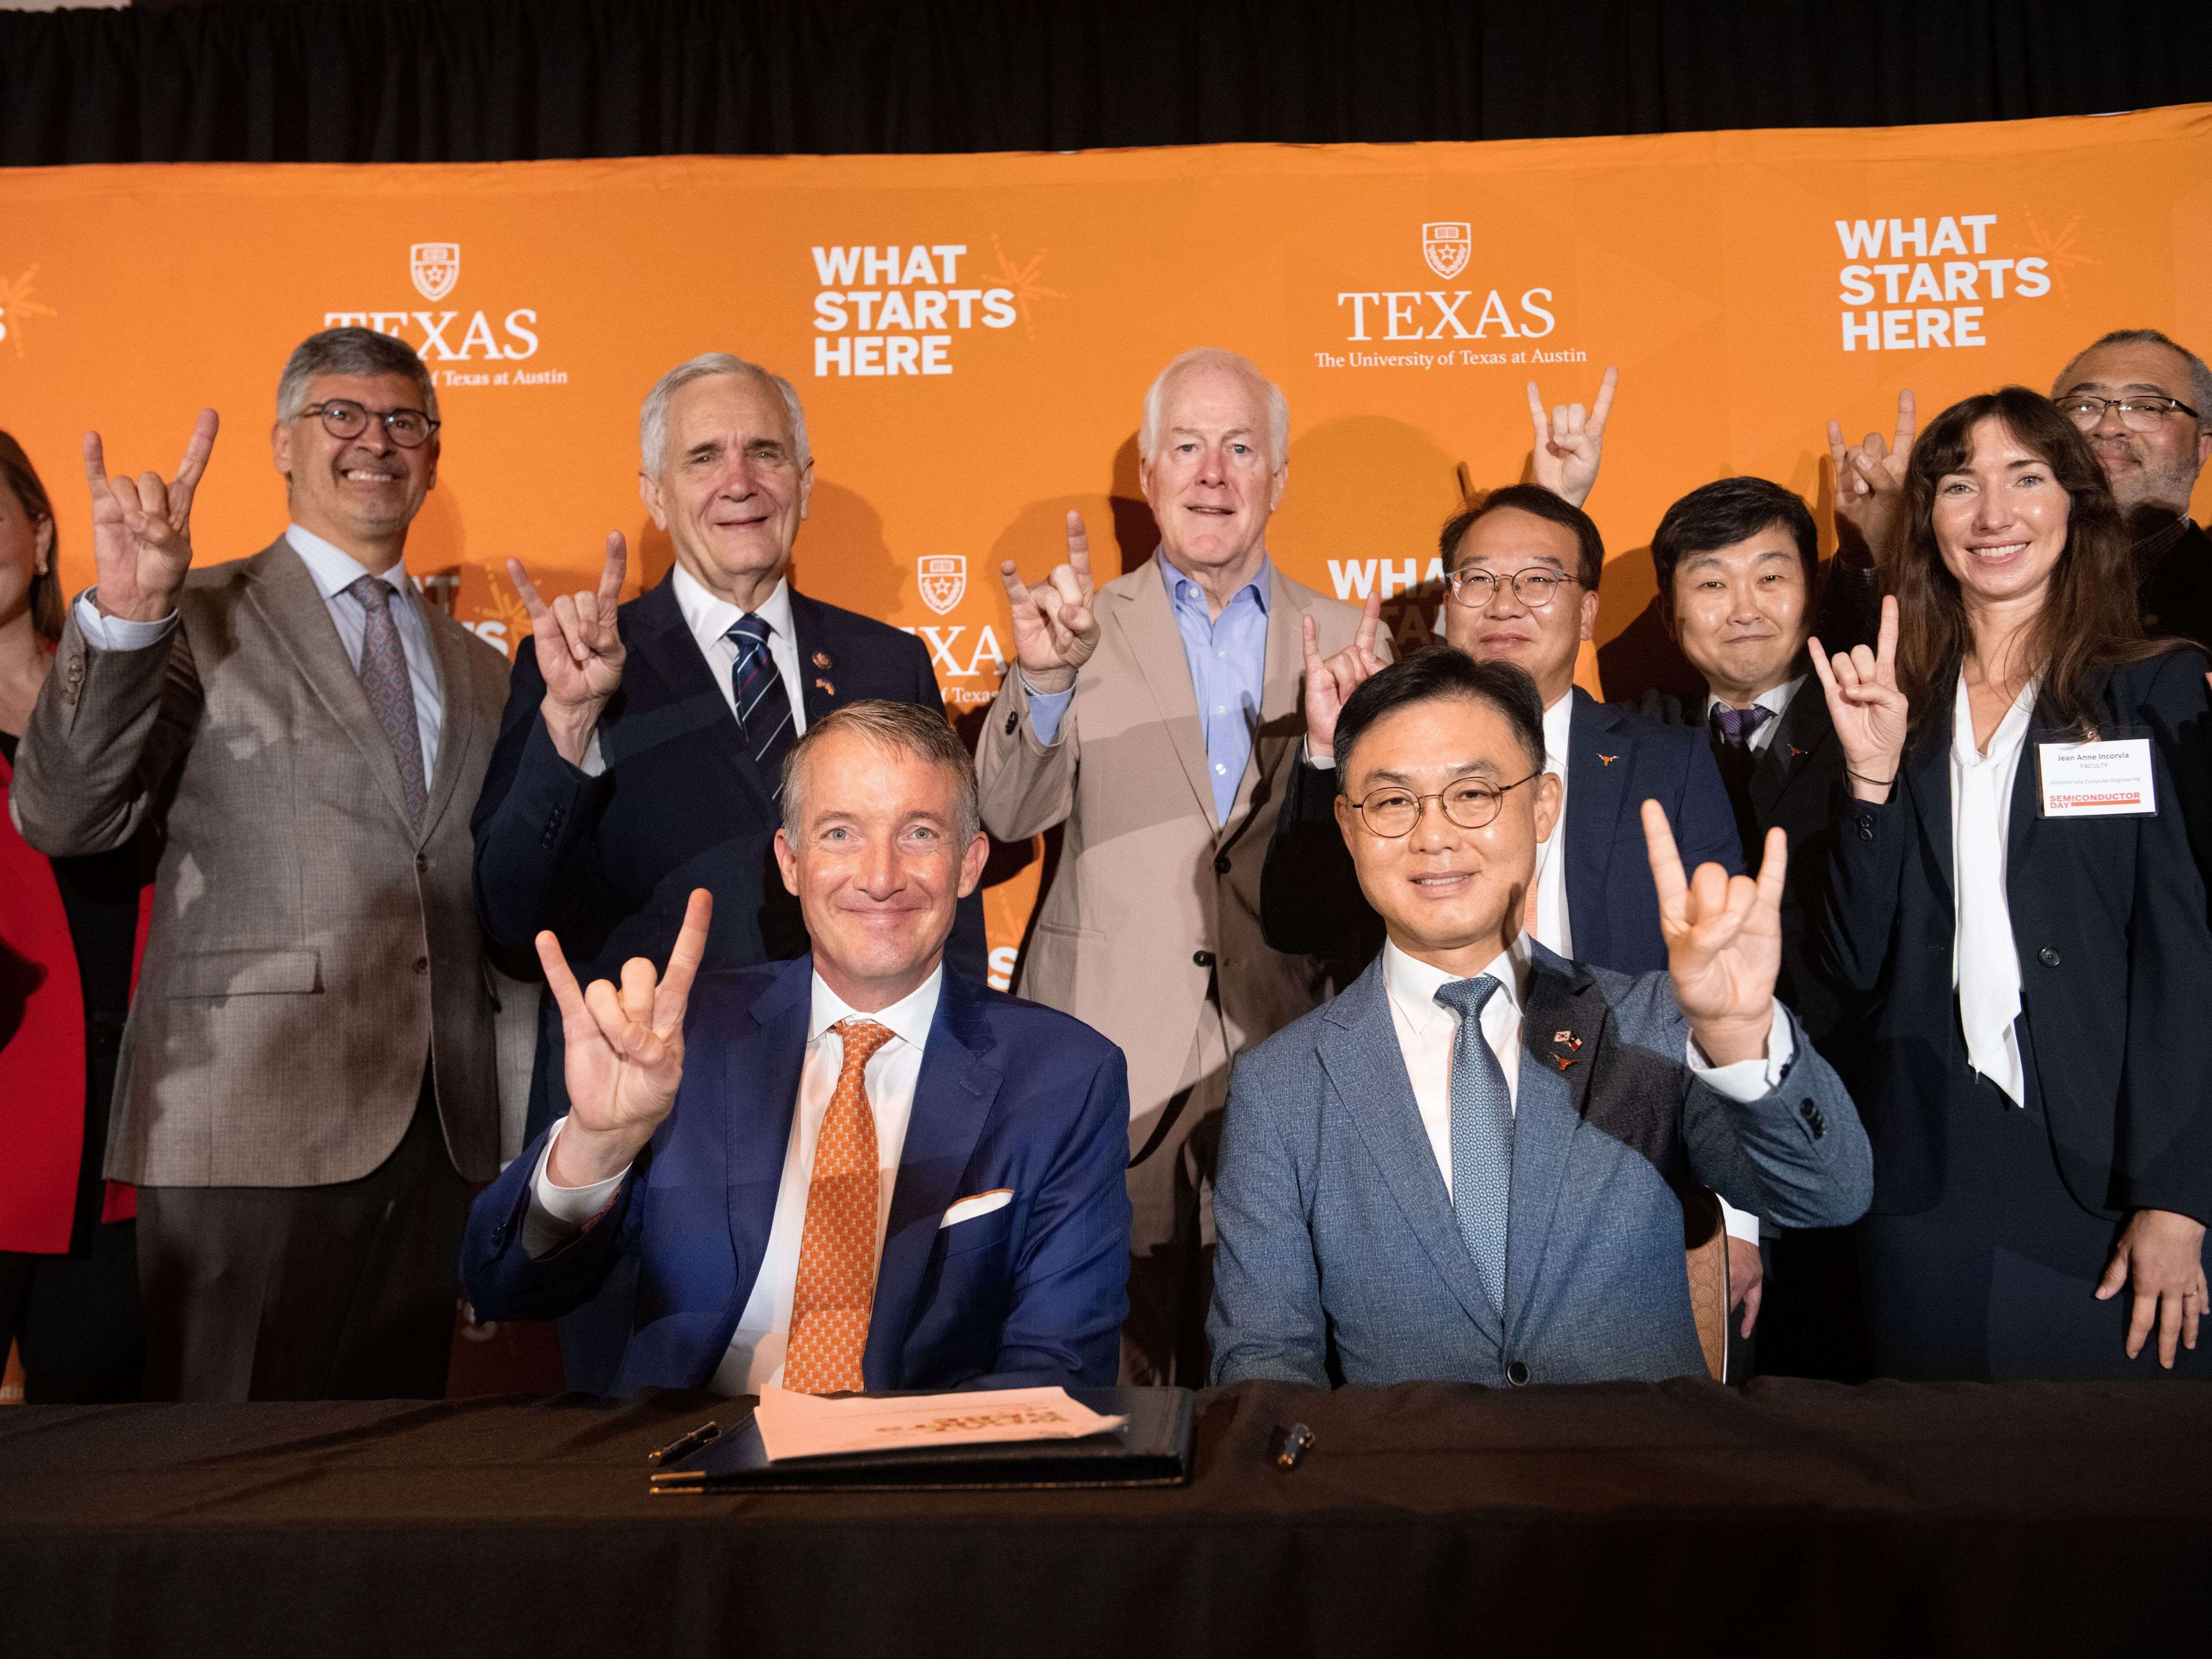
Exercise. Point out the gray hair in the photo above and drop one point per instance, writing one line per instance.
(908, 726)
(653, 419)
(1279, 407)
(2200, 377)
(360, 352)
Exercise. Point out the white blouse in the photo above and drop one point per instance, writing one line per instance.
(1985, 960)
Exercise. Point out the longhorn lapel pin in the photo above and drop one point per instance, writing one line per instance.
(1608, 759)
(1568, 1040)
(1796, 753)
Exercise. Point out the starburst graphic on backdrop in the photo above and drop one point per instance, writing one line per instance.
(16, 305)
(1022, 280)
(505, 605)
(2058, 251)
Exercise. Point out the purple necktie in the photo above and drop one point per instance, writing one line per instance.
(1737, 726)
(390, 692)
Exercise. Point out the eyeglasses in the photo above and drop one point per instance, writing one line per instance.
(341, 418)
(1535, 587)
(1392, 812)
(2136, 414)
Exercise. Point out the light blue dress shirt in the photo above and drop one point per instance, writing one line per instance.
(1228, 659)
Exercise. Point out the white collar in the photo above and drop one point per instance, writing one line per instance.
(709, 616)
(1775, 698)
(2004, 742)
(335, 570)
(1413, 984)
(1559, 720)
(909, 1018)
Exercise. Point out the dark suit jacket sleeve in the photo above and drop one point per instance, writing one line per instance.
(1705, 827)
(1266, 1319)
(2177, 708)
(2165, 1130)
(533, 820)
(1309, 899)
(504, 1281)
(1071, 1283)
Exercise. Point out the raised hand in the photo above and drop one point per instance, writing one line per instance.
(622, 1051)
(141, 528)
(1870, 714)
(579, 649)
(1870, 487)
(1055, 629)
(1723, 937)
(1569, 440)
(1329, 683)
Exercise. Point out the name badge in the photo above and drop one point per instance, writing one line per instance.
(2097, 779)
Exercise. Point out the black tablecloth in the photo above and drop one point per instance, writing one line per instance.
(1798, 1518)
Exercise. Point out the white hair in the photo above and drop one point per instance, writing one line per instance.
(653, 419)
(1279, 407)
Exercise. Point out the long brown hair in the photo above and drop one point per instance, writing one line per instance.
(2090, 617)
(17, 474)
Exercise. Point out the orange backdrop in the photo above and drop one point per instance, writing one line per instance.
(972, 335)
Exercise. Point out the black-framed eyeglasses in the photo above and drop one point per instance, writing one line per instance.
(2136, 414)
(1535, 587)
(1393, 811)
(410, 428)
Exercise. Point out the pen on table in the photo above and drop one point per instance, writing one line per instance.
(1295, 1440)
(685, 1442)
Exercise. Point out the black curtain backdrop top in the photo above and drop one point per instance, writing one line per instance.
(518, 80)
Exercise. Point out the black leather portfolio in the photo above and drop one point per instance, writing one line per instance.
(1152, 1448)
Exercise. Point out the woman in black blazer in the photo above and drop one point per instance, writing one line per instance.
(2038, 981)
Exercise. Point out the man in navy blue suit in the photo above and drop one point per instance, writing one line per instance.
(638, 755)
(849, 1170)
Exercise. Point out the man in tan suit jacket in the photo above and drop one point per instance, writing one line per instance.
(308, 1080)
(1157, 717)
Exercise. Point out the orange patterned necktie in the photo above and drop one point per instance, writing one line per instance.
(837, 1287)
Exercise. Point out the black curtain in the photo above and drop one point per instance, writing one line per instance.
(512, 80)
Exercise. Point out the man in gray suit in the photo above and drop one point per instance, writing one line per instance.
(1470, 1166)
(307, 1082)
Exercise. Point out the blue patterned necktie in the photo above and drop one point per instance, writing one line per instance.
(1481, 1136)
(390, 692)
(1738, 726)
(763, 704)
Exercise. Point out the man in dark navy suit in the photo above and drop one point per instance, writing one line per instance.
(638, 755)
(1522, 568)
(854, 1171)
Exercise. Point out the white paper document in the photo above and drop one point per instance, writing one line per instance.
(803, 1426)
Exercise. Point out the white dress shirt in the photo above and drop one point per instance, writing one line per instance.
(710, 618)
(557, 1213)
(1775, 698)
(1984, 959)
(334, 570)
(1554, 929)
(1427, 1031)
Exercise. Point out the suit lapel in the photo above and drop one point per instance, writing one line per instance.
(1548, 1108)
(819, 650)
(1600, 757)
(1927, 769)
(662, 640)
(1147, 623)
(1359, 1051)
(1804, 729)
(458, 724)
(951, 1099)
(284, 593)
(760, 1074)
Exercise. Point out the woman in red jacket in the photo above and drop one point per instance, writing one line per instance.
(69, 930)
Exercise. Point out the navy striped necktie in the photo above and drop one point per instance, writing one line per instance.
(763, 703)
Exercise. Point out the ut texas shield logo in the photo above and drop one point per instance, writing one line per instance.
(1446, 245)
(943, 579)
(435, 267)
